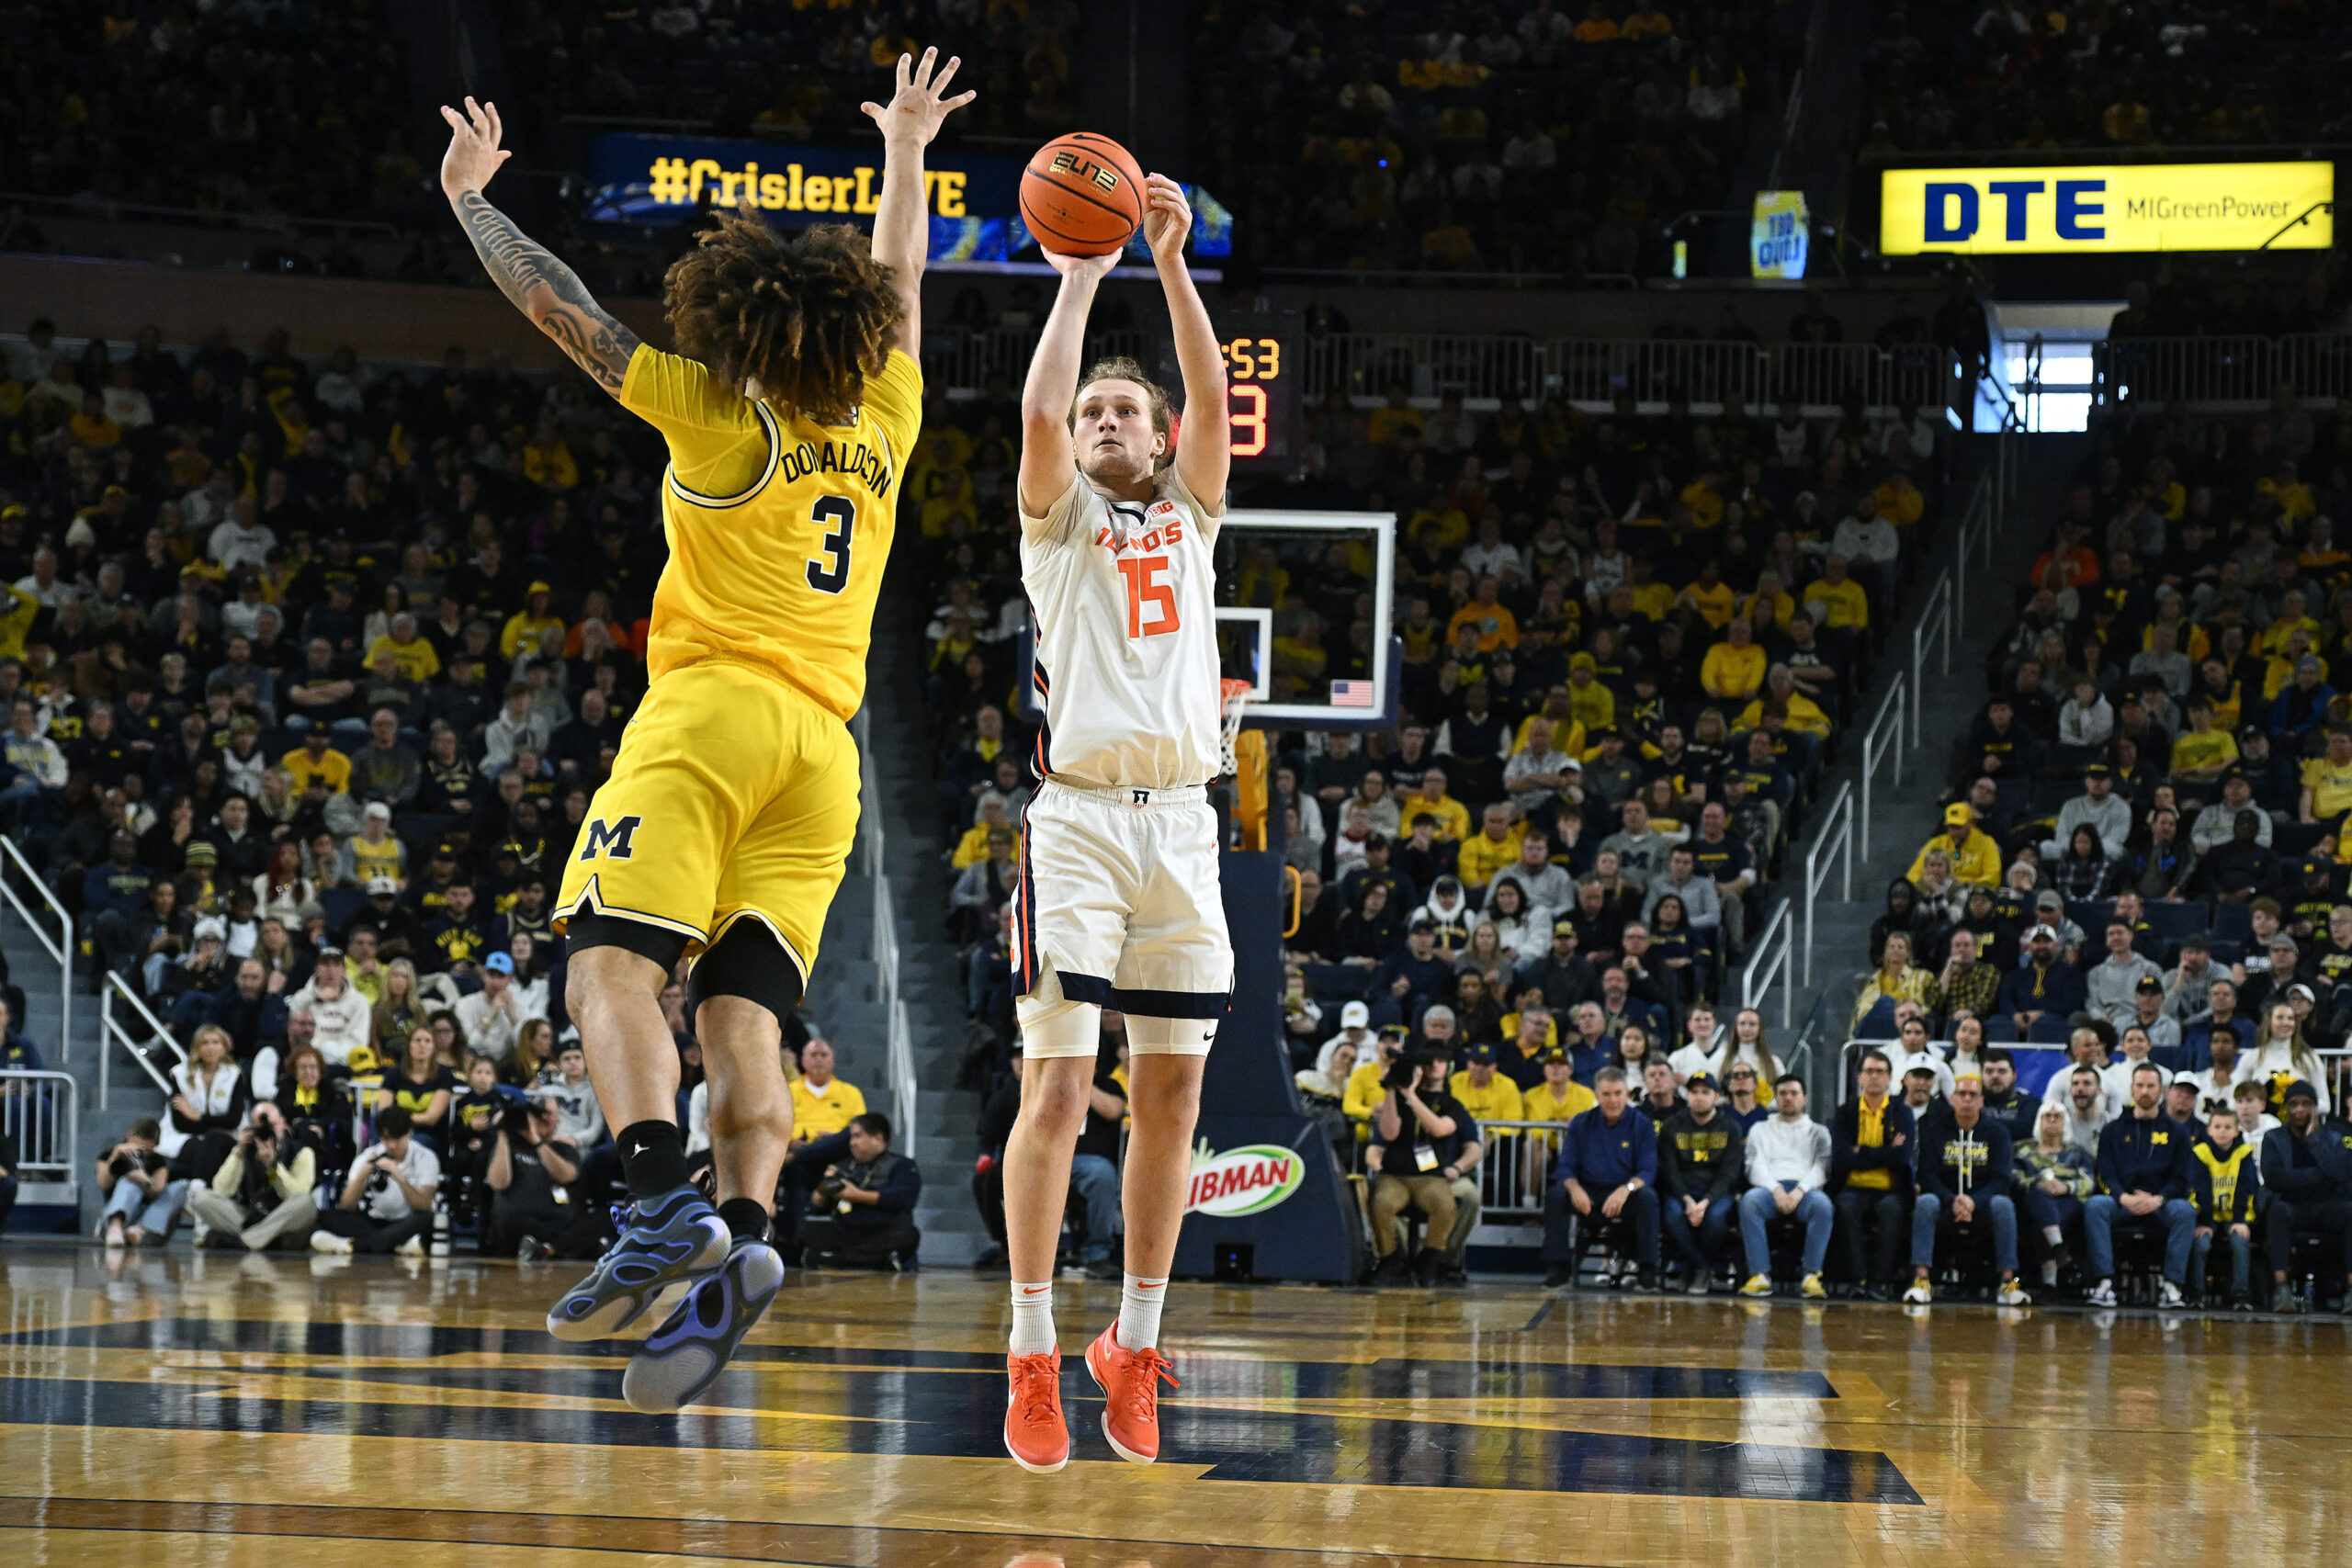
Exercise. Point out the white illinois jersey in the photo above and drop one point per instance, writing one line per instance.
(1121, 596)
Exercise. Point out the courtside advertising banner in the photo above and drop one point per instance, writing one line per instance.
(2087, 209)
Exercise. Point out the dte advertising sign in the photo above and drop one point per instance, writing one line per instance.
(973, 197)
(2058, 210)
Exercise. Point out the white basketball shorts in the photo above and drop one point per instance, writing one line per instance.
(1119, 904)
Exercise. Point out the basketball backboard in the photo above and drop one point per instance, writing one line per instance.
(1303, 606)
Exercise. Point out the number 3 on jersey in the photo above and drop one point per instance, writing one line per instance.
(1144, 588)
(836, 514)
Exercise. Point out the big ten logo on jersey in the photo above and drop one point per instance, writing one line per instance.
(612, 841)
(1151, 602)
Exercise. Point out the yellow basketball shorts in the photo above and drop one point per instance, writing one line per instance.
(734, 797)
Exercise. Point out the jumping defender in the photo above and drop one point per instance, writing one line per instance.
(1118, 904)
(790, 417)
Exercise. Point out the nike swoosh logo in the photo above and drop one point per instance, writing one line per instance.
(1148, 1287)
(1039, 1290)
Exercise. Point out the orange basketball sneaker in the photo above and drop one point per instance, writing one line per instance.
(1130, 1383)
(1034, 1433)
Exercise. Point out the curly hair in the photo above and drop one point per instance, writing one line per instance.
(804, 317)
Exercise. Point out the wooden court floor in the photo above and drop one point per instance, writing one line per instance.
(189, 1409)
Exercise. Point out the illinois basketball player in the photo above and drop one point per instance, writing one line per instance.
(1118, 904)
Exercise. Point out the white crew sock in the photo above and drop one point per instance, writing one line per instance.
(1032, 1318)
(2053, 1235)
(1139, 1303)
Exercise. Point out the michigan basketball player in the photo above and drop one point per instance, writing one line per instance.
(790, 416)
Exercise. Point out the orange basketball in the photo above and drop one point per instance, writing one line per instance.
(1082, 195)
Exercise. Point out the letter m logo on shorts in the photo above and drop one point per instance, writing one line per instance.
(615, 841)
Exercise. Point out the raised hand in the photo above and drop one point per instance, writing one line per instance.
(1094, 269)
(1167, 217)
(917, 109)
(474, 154)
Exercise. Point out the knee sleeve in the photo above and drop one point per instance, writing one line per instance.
(1060, 1029)
(1169, 1036)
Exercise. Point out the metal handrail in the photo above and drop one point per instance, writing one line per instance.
(1768, 963)
(1976, 520)
(60, 949)
(1836, 837)
(46, 1127)
(1882, 742)
(1935, 619)
(899, 1063)
(111, 1033)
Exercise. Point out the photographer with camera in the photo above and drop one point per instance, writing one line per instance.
(1424, 1144)
(862, 1214)
(140, 1195)
(262, 1192)
(386, 1203)
(1607, 1171)
(531, 1171)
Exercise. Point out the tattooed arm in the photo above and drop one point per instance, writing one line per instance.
(541, 286)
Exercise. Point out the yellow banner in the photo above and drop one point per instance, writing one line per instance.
(2121, 207)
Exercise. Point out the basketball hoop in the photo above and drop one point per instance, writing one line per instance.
(1237, 704)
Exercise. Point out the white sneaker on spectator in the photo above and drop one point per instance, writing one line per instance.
(2013, 1294)
(2168, 1294)
(412, 1247)
(1699, 1283)
(1756, 1285)
(331, 1244)
(2102, 1294)
(1918, 1295)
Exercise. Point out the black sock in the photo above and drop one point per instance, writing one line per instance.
(653, 1158)
(746, 1220)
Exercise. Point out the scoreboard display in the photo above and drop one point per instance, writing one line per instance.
(1265, 413)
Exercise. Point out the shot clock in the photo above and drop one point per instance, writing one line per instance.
(1264, 368)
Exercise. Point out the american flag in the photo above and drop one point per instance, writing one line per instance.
(1350, 694)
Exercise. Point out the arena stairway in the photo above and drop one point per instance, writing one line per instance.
(40, 1206)
(1905, 816)
(844, 1000)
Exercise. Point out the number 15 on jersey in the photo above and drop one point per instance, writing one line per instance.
(1152, 602)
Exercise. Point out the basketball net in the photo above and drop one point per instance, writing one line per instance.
(1243, 756)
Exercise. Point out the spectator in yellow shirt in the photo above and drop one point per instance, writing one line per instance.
(1393, 416)
(1598, 26)
(1484, 1092)
(1494, 848)
(1772, 597)
(1647, 24)
(2204, 752)
(821, 1103)
(1710, 596)
(1453, 816)
(1975, 858)
(1836, 600)
(1802, 712)
(317, 758)
(528, 625)
(1496, 626)
(1899, 501)
(2327, 780)
(1733, 669)
(974, 845)
(414, 655)
(1590, 704)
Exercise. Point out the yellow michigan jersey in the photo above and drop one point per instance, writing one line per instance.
(735, 792)
(779, 529)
